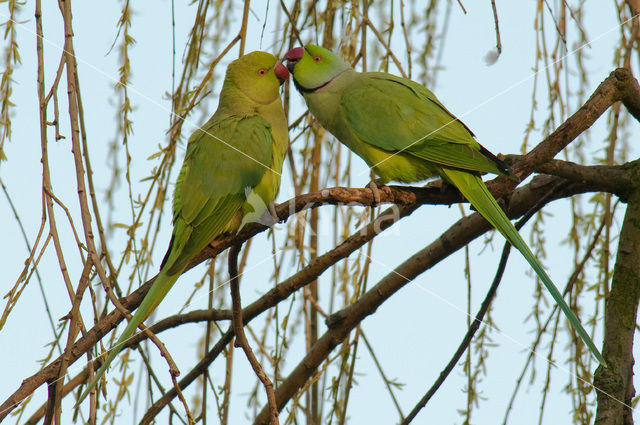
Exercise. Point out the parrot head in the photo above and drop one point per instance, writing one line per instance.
(313, 67)
(258, 75)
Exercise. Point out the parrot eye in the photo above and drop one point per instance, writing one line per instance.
(262, 71)
(317, 58)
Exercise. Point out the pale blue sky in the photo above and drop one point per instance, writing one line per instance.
(494, 101)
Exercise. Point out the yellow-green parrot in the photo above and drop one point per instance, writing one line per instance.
(404, 133)
(231, 171)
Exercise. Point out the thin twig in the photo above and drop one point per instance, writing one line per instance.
(243, 27)
(181, 397)
(555, 22)
(405, 34)
(75, 326)
(462, 7)
(386, 46)
(295, 31)
(495, 20)
(224, 416)
(241, 339)
(387, 381)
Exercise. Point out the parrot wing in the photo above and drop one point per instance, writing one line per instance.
(420, 125)
(225, 160)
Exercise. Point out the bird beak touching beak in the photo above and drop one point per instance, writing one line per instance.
(281, 72)
(293, 56)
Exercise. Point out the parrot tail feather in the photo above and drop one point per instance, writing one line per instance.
(475, 191)
(156, 294)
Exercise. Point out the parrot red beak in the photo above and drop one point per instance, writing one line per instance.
(293, 56)
(281, 72)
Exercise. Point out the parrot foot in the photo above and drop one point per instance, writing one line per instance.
(374, 185)
(445, 186)
(272, 210)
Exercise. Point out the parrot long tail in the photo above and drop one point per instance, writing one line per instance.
(474, 189)
(156, 294)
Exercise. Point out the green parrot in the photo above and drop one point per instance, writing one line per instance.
(404, 133)
(231, 171)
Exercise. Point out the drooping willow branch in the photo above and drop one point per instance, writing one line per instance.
(241, 339)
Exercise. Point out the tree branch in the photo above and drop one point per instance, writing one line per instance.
(241, 339)
(615, 384)
(620, 85)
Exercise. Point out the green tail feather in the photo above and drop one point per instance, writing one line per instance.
(474, 189)
(156, 294)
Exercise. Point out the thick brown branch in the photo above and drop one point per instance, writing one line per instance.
(615, 384)
(618, 86)
(611, 179)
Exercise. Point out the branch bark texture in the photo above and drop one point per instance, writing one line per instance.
(615, 384)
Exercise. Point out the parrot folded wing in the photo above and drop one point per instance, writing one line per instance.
(422, 127)
(223, 160)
